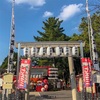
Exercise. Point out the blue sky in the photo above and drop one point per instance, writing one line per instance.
(29, 15)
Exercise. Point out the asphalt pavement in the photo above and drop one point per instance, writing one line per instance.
(51, 95)
(47, 95)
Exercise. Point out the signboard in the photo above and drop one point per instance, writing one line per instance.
(8, 78)
(7, 86)
(36, 75)
(24, 73)
(86, 70)
(8, 81)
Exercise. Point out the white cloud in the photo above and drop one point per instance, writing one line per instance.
(69, 11)
(47, 14)
(33, 3)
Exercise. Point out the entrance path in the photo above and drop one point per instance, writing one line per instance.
(52, 95)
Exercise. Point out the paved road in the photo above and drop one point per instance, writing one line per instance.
(51, 95)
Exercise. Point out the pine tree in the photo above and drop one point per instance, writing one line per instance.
(52, 31)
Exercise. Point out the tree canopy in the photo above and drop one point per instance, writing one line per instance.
(52, 31)
(5, 62)
(83, 28)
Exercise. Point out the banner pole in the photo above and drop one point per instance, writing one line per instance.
(18, 60)
(27, 90)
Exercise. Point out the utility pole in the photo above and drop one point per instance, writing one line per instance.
(93, 50)
(18, 68)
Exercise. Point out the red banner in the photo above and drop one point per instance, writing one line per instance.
(21, 78)
(24, 73)
(86, 69)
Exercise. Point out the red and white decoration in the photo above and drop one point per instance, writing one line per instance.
(53, 73)
(46, 87)
(42, 89)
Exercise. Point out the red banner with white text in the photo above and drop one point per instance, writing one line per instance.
(24, 73)
(86, 70)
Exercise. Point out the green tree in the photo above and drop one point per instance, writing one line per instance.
(83, 28)
(95, 20)
(5, 62)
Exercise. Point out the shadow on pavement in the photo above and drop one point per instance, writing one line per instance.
(43, 97)
(48, 97)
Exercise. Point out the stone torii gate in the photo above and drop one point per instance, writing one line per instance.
(54, 44)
